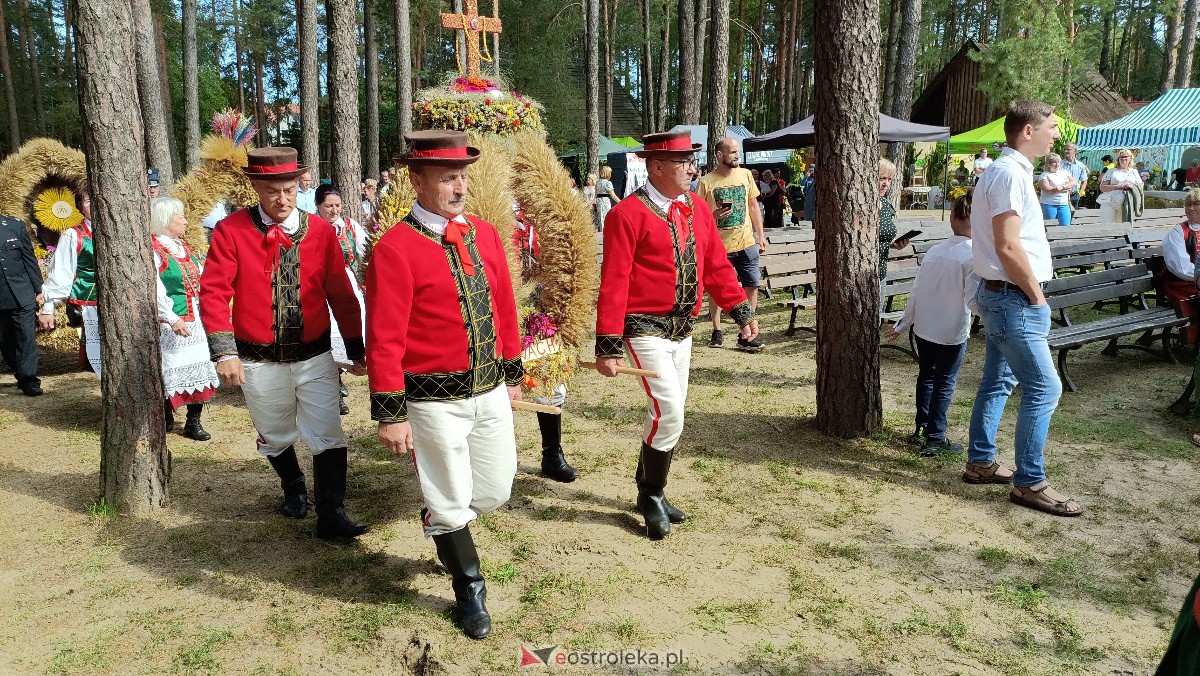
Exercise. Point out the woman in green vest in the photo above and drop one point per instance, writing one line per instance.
(72, 279)
(188, 373)
(353, 240)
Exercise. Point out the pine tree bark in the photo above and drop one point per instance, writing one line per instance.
(689, 103)
(237, 55)
(31, 55)
(158, 145)
(14, 121)
(164, 82)
(591, 40)
(699, 83)
(1187, 50)
(608, 18)
(647, 70)
(260, 104)
(135, 465)
(895, 21)
(664, 66)
(718, 101)
(756, 74)
(404, 70)
(902, 97)
(798, 69)
(849, 403)
(191, 86)
(372, 93)
(310, 96)
(1105, 66)
(343, 100)
(739, 63)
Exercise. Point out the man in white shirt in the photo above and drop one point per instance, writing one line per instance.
(982, 162)
(1012, 258)
(1078, 171)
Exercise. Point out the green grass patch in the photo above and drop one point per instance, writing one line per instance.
(712, 616)
(998, 556)
(851, 551)
(196, 656)
(360, 624)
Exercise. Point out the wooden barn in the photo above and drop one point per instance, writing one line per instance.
(952, 98)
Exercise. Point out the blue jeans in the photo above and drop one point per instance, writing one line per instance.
(1017, 352)
(937, 375)
(1060, 211)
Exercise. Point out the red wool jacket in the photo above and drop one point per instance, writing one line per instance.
(426, 339)
(237, 269)
(638, 274)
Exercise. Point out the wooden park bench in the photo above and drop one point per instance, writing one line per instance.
(1128, 286)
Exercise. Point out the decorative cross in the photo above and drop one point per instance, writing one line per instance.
(473, 25)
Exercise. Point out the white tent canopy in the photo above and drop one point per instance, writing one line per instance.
(699, 134)
(1163, 130)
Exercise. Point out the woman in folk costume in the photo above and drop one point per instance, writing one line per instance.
(72, 278)
(353, 239)
(188, 373)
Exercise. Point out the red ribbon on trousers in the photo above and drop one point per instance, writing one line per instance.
(678, 216)
(276, 238)
(456, 232)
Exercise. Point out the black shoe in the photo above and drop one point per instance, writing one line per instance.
(917, 438)
(329, 484)
(717, 339)
(554, 463)
(749, 345)
(342, 389)
(343, 409)
(291, 479)
(674, 514)
(651, 501)
(934, 448)
(457, 553)
(169, 415)
(192, 429)
(32, 389)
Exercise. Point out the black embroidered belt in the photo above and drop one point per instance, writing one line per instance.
(280, 352)
(672, 327)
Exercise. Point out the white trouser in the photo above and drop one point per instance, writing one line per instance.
(293, 401)
(558, 397)
(1112, 213)
(91, 336)
(465, 452)
(666, 394)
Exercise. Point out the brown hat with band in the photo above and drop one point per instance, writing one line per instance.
(439, 147)
(669, 143)
(273, 163)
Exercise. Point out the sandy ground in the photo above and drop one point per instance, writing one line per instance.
(803, 554)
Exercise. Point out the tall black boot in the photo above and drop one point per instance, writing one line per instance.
(457, 553)
(554, 463)
(169, 412)
(295, 497)
(651, 480)
(191, 427)
(674, 515)
(329, 483)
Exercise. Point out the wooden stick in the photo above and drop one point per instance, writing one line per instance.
(623, 370)
(537, 408)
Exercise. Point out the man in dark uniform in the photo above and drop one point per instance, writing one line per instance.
(20, 297)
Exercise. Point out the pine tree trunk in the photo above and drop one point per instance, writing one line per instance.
(158, 144)
(14, 122)
(237, 55)
(756, 74)
(404, 69)
(164, 81)
(849, 403)
(591, 38)
(135, 465)
(191, 86)
(718, 101)
(664, 66)
(418, 61)
(310, 96)
(609, 29)
(647, 72)
(788, 23)
(902, 98)
(260, 104)
(689, 104)
(343, 100)
(1105, 66)
(739, 64)
(1187, 52)
(372, 67)
(34, 71)
(893, 49)
(798, 68)
(699, 83)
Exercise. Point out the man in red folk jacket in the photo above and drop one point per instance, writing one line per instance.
(661, 253)
(282, 270)
(445, 358)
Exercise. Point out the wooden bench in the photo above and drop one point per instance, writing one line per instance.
(794, 275)
(1127, 285)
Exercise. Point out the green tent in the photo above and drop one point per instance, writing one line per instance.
(607, 147)
(628, 141)
(993, 132)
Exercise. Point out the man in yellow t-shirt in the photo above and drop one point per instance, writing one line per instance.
(731, 193)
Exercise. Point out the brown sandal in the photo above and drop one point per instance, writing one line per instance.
(1045, 499)
(993, 473)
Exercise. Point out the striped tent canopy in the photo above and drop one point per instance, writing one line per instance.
(1170, 123)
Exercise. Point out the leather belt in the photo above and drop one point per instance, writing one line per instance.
(1001, 285)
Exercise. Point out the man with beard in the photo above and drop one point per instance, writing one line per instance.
(445, 358)
(733, 197)
(661, 252)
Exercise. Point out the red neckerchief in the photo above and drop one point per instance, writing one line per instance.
(456, 232)
(276, 238)
(678, 215)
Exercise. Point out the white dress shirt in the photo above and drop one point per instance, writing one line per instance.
(941, 295)
(431, 221)
(61, 276)
(290, 224)
(1115, 176)
(1007, 185)
(982, 163)
(1175, 252)
(662, 201)
(1059, 179)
